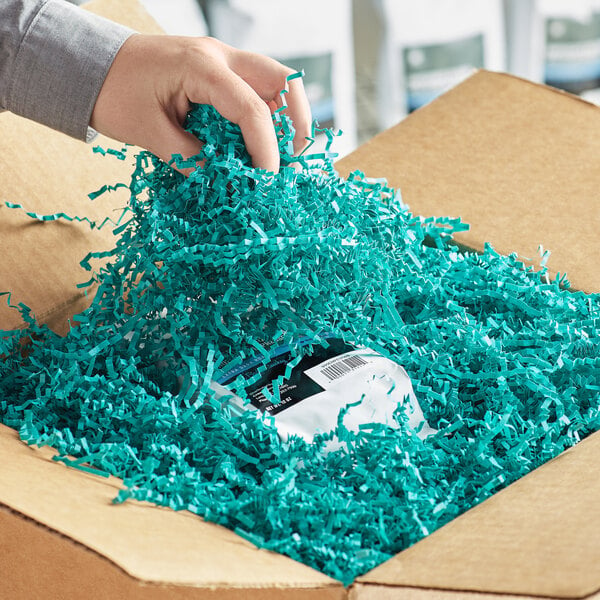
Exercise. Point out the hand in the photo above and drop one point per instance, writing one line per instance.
(153, 79)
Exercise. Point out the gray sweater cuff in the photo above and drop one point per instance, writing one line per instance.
(60, 66)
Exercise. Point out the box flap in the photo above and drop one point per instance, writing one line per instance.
(153, 544)
(522, 181)
(127, 12)
(46, 565)
(540, 537)
(528, 180)
(47, 173)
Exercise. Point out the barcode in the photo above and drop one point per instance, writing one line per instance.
(340, 368)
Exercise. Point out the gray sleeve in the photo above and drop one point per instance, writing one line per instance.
(54, 58)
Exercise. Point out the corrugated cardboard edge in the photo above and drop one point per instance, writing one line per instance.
(154, 545)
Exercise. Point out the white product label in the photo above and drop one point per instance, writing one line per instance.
(367, 386)
(337, 368)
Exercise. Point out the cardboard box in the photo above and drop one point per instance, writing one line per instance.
(516, 160)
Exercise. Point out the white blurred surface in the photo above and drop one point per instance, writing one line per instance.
(178, 17)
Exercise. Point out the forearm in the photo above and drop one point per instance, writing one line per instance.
(54, 58)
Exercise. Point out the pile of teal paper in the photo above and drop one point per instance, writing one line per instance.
(505, 363)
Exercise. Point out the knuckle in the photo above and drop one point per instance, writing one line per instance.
(202, 49)
(258, 110)
(213, 44)
(287, 71)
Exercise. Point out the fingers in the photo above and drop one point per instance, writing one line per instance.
(243, 106)
(299, 111)
(238, 102)
(244, 88)
(259, 137)
(267, 78)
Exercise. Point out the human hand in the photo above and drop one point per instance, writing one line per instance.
(153, 79)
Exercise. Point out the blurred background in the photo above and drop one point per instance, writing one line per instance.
(369, 63)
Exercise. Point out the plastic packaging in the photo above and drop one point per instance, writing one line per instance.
(331, 385)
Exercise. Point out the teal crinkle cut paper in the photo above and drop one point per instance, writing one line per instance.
(208, 269)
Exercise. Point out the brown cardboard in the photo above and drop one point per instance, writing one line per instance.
(539, 536)
(51, 567)
(36, 175)
(153, 545)
(516, 160)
